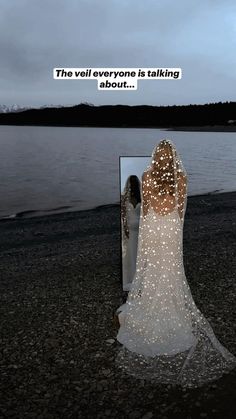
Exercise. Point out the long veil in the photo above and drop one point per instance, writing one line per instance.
(141, 261)
(193, 355)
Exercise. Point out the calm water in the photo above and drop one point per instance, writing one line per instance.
(54, 169)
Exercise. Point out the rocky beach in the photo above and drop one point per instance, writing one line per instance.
(60, 279)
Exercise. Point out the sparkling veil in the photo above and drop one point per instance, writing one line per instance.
(185, 352)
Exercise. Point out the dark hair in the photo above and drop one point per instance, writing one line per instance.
(135, 187)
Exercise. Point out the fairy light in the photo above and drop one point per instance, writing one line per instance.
(164, 334)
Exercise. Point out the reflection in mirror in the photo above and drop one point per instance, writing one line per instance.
(131, 170)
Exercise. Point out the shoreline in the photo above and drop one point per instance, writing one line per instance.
(205, 128)
(23, 214)
(60, 282)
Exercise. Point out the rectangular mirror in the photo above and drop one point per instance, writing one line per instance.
(131, 169)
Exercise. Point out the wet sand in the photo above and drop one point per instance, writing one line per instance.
(60, 284)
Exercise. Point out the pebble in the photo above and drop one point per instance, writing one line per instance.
(147, 415)
(135, 414)
(110, 341)
(106, 372)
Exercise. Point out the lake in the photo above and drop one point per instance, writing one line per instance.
(56, 169)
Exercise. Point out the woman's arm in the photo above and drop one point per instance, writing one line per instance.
(123, 216)
(182, 192)
(145, 192)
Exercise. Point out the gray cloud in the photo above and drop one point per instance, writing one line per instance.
(37, 36)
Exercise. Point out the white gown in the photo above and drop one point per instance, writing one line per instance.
(131, 245)
(164, 335)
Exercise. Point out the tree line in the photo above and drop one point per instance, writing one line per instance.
(85, 114)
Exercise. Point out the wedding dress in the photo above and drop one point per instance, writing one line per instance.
(130, 244)
(130, 215)
(164, 335)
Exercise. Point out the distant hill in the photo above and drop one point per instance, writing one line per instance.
(125, 115)
(12, 108)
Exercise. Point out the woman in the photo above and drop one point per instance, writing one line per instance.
(130, 213)
(164, 335)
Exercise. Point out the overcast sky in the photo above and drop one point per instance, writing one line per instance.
(37, 35)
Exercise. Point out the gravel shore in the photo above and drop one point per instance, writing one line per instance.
(60, 284)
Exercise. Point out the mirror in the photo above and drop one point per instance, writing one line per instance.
(131, 170)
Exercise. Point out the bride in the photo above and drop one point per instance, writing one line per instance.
(164, 335)
(130, 214)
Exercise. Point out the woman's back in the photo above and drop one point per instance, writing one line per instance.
(164, 204)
